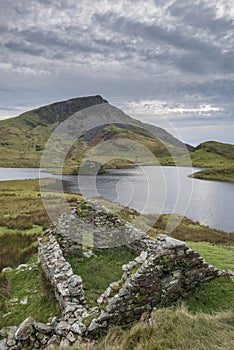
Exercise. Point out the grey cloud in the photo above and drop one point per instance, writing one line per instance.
(200, 15)
(151, 32)
(47, 2)
(44, 43)
(23, 47)
(186, 55)
(206, 56)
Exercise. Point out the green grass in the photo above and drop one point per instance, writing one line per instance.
(100, 270)
(212, 153)
(221, 257)
(22, 219)
(16, 248)
(217, 295)
(222, 173)
(32, 284)
(217, 157)
(174, 329)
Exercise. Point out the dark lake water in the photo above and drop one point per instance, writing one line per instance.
(153, 190)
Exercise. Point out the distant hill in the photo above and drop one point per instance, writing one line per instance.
(217, 157)
(212, 153)
(23, 138)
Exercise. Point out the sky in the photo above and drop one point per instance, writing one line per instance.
(165, 62)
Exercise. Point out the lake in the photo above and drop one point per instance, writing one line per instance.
(153, 190)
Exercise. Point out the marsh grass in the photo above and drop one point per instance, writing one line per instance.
(22, 218)
(189, 230)
(16, 248)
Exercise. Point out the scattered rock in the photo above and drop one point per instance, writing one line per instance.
(6, 269)
(22, 266)
(3, 344)
(62, 328)
(24, 301)
(13, 300)
(25, 329)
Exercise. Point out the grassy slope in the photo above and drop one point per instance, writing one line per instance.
(23, 138)
(172, 329)
(27, 283)
(217, 157)
(22, 218)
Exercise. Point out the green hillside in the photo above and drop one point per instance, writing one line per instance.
(212, 154)
(23, 138)
(217, 157)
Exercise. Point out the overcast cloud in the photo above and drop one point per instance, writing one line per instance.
(166, 62)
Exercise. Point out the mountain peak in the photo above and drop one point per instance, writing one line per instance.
(59, 111)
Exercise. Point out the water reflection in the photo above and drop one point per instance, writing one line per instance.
(164, 190)
(153, 190)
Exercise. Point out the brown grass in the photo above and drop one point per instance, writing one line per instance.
(188, 230)
(16, 249)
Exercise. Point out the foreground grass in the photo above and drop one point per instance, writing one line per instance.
(212, 297)
(172, 329)
(22, 219)
(218, 294)
(100, 270)
(26, 284)
(16, 248)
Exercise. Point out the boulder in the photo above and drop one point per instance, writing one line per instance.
(25, 329)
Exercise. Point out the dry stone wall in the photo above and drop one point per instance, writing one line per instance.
(67, 286)
(164, 271)
(92, 224)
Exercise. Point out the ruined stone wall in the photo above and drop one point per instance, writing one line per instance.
(91, 224)
(67, 286)
(164, 271)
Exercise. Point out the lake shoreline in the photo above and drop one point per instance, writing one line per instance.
(132, 177)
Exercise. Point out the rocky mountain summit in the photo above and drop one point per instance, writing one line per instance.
(23, 138)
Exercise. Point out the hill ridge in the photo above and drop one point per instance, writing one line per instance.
(24, 137)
